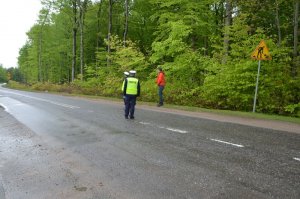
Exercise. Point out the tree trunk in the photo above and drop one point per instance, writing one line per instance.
(296, 33)
(205, 46)
(126, 22)
(109, 30)
(98, 24)
(278, 23)
(40, 55)
(228, 22)
(98, 32)
(81, 21)
(74, 39)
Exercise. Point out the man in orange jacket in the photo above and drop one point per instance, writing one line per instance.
(161, 82)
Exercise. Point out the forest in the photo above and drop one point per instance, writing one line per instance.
(204, 47)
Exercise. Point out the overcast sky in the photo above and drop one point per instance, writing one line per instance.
(16, 18)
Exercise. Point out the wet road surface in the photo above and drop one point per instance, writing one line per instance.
(66, 147)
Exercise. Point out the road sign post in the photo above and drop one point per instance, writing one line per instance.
(260, 53)
(256, 87)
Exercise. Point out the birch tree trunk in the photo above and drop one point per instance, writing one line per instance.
(278, 23)
(40, 55)
(228, 22)
(98, 23)
(296, 34)
(109, 30)
(126, 22)
(74, 39)
(98, 31)
(82, 6)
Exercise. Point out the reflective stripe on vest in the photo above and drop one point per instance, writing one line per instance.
(132, 84)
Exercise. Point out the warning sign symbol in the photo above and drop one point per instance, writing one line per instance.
(261, 52)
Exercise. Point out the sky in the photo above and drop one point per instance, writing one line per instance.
(16, 18)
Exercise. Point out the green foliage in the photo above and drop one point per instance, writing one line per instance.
(3, 75)
(231, 87)
(173, 45)
(184, 37)
(128, 57)
(17, 85)
(293, 108)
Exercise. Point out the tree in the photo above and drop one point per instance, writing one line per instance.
(75, 28)
(228, 23)
(3, 74)
(44, 13)
(296, 35)
(141, 25)
(82, 11)
(110, 5)
(278, 22)
(203, 46)
(14, 74)
(126, 22)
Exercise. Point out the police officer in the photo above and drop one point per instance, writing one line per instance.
(126, 74)
(131, 90)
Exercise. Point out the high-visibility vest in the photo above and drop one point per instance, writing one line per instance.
(132, 86)
(123, 85)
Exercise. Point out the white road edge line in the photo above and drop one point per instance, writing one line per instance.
(298, 159)
(44, 100)
(237, 145)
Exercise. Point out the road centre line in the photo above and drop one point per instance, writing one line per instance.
(176, 130)
(162, 127)
(5, 108)
(44, 100)
(145, 123)
(224, 142)
(298, 159)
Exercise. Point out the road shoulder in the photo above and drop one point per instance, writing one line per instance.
(254, 122)
(262, 123)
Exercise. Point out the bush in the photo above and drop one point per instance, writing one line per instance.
(16, 85)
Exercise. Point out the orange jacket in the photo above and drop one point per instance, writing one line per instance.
(160, 80)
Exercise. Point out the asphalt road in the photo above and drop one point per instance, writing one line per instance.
(64, 147)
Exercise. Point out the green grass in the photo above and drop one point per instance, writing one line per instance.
(238, 113)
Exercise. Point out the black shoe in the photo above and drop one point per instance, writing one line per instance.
(158, 105)
(126, 117)
(132, 117)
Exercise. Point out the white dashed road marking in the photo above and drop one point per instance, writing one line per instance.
(145, 123)
(224, 142)
(298, 159)
(176, 130)
(162, 127)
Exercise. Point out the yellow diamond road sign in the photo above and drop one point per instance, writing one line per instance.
(261, 52)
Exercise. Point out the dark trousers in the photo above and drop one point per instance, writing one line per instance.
(130, 101)
(160, 94)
